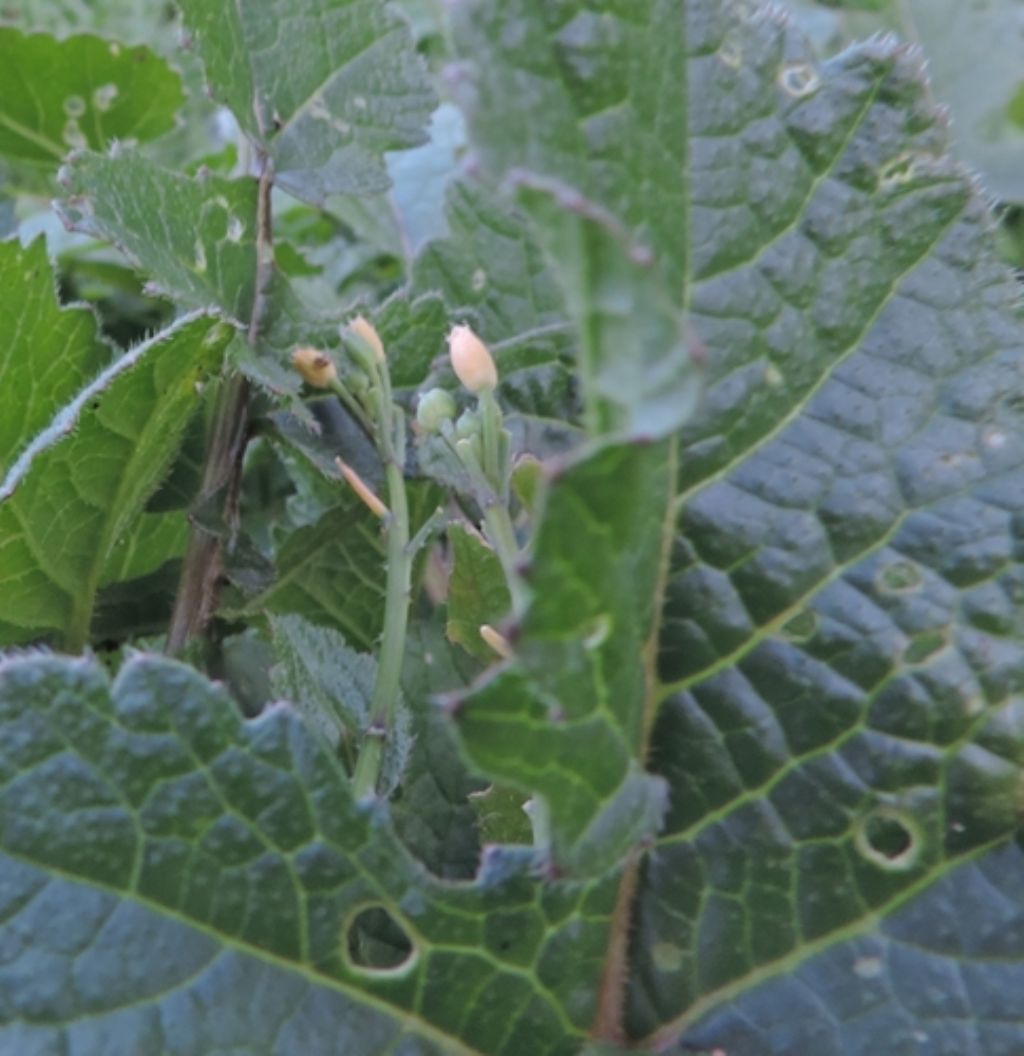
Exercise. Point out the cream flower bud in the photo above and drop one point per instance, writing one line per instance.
(471, 360)
(362, 489)
(498, 642)
(316, 367)
(366, 330)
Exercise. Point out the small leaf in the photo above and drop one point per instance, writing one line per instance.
(327, 102)
(477, 591)
(332, 573)
(330, 682)
(84, 91)
(196, 236)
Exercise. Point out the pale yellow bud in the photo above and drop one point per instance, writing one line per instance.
(316, 367)
(366, 330)
(471, 360)
(498, 642)
(362, 489)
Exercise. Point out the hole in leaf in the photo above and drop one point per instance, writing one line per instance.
(890, 839)
(899, 576)
(900, 169)
(731, 51)
(799, 79)
(920, 649)
(376, 942)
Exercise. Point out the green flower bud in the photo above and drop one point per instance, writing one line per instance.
(468, 425)
(435, 407)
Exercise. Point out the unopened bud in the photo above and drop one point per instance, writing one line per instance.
(498, 642)
(468, 425)
(316, 367)
(362, 489)
(471, 360)
(368, 333)
(434, 408)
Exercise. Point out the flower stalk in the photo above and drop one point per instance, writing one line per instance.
(371, 403)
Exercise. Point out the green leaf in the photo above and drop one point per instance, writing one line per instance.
(145, 817)
(477, 591)
(432, 812)
(838, 722)
(195, 236)
(155, 539)
(567, 719)
(595, 151)
(330, 682)
(332, 685)
(197, 239)
(49, 352)
(324, 88)
(500, 816)
(332, 573)
(84, 91)
(71, 496)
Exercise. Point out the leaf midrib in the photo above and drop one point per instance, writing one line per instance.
(669, 1033)
(259, 953)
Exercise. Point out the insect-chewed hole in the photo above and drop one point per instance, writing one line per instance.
(924, 647)
(890, 839)
(898, 577)
(799, 79)
(375, 942)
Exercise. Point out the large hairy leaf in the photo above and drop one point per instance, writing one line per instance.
(324, 88)
(840, 646)
(179, 881)
(82, 450)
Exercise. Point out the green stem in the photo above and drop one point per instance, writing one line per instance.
(396, 616)
(490, 429)
(502, 536)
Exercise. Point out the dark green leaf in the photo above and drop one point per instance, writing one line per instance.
(190, 880)
(567, 719)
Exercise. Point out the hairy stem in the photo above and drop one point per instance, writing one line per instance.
(196, 600)
(396, 616)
